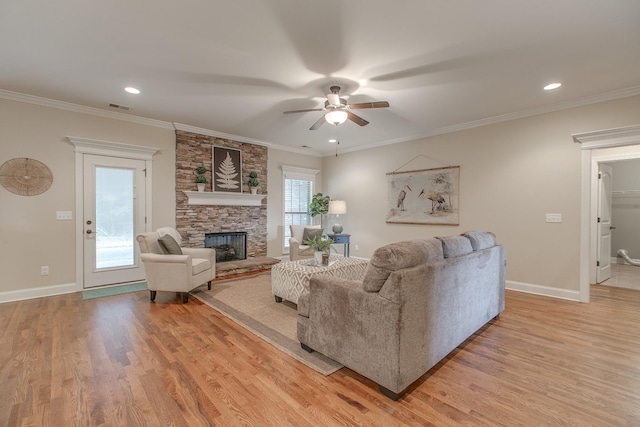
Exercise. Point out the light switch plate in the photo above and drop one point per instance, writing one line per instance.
(554, 217)
(64, 215)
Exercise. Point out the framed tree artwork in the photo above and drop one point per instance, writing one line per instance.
(428, 196)
(227, 170)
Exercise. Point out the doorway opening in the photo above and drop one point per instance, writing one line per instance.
(604, 146)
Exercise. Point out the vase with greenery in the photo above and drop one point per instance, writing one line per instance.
(322, 246)
(201, 180)
(319, 206)
(253, 182)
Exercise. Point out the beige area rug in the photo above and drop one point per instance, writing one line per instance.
(250, 303)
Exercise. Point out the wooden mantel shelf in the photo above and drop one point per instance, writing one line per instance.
(223, 199)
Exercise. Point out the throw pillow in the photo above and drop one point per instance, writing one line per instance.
(169, 245)
(310, 234)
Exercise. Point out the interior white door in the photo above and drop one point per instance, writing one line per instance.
(605, 177)
(114, 212)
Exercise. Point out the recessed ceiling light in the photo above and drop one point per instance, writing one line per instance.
(333, 140)
(552, 86)
(132, 90)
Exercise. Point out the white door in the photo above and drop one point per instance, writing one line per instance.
(603, 269)
(114, 212)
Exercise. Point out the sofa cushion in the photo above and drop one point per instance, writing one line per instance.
(396, 256)
(311, 234)
(169, 245)
(455, 246)
(481, 239)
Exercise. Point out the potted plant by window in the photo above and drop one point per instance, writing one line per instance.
(201, 180)
(319, 206)
(322, 246)
(253, 182)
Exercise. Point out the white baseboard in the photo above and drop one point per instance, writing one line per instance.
(45, 291)
(543, 290)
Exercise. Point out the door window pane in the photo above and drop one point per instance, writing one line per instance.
(114, 217)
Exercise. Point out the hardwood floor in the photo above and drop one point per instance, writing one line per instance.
(122, 361)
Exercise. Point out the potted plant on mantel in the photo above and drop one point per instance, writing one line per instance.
(201, 180)
(253, 182)
(322, 246)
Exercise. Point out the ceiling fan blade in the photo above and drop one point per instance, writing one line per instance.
(334, 99)
(303, 111)
(377, 104)
(317, 124)
(356, 119)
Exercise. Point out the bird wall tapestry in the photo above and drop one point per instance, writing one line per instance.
(227, 170)
(428, 196)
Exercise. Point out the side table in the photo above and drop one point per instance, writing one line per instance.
(342, 239)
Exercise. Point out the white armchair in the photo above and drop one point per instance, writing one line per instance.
(295, 242)
(175, 273)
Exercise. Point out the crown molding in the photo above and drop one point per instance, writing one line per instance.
(76, 108)
(609, 96)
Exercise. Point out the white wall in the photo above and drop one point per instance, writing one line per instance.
(30, 236)
(511, 175)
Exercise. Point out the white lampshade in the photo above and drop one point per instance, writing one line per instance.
(336, 117)
(337, 207)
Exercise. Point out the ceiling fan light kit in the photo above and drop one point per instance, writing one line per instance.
(338, 110)
(336, 117)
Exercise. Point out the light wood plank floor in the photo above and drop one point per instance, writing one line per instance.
(122, 361)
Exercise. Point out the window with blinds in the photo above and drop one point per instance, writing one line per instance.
(298, 190)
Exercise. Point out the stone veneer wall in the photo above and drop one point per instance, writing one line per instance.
(193, 221)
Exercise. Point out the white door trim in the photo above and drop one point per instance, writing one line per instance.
(609, 138)
(113, 149)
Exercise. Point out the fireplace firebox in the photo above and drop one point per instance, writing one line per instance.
(229, 246)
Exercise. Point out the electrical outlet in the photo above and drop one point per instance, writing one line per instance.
(44, 270)
(554, 217)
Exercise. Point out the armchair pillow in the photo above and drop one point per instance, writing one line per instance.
(310, 234)
(169, 245)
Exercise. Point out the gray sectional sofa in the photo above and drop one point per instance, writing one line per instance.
(418, 301)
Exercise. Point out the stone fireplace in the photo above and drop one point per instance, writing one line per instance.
(194, 221)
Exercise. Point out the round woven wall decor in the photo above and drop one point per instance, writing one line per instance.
(26, 177)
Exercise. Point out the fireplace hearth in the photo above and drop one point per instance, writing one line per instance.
(229, 246)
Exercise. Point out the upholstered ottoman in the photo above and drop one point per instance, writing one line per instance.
(290, 279)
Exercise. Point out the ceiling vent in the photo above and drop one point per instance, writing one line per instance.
(120, 107)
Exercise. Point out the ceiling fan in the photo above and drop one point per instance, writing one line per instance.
(337, 110)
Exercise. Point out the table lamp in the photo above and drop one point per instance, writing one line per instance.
(337, 207)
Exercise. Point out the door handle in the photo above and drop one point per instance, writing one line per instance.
(612, 228)
(89, 231)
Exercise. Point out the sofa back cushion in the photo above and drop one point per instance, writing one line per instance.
(455, 246)
(396, 256)
(481, 239)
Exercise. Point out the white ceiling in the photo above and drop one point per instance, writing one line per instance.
(235, 66)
